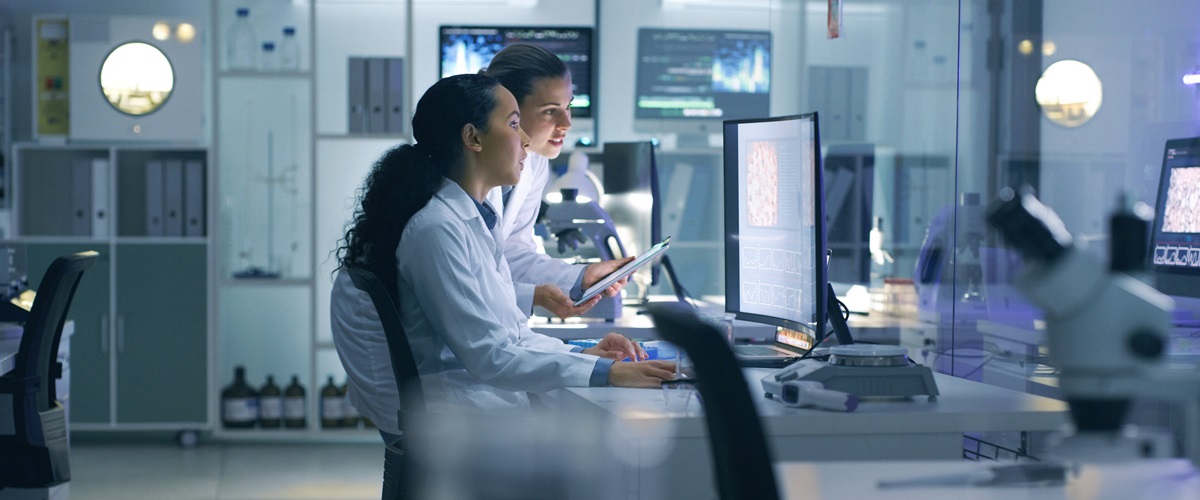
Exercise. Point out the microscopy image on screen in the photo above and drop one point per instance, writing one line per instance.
(1181, 212)
(762, 184)
(468, 52)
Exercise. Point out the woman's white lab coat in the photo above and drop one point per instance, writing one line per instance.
(515, 229)
(471, 343)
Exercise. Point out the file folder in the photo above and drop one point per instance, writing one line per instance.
(356, 89)
(81, 197)
(394, 96)
(173, 198)
(193, 198)
(154, 198)
(376, 94)
(99, 209)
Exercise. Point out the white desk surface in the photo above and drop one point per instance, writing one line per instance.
(908, 430)
(964, 406)
(9, 344)
(630, 324)
(1149, 479)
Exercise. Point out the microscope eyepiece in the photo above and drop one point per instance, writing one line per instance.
(1029, 226)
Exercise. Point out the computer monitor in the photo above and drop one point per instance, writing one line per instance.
(632, 194)
(690, 80)
(775, 248)
(467, 49)
(1175, 245)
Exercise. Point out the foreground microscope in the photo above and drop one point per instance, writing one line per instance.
(1107, 331)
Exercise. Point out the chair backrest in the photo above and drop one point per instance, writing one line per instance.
(36, 453)
(37, 354)
(412, 396)
(741, 459)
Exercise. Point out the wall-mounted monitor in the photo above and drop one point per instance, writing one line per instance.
(690, 80)
(467, 49)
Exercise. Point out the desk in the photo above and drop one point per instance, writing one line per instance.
(892, 430)
(1151, 479)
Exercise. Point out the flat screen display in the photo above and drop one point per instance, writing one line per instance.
(774, 222)
(467, 49)
(1175, 249)
(702, 75)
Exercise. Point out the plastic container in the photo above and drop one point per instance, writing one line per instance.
(289, 50)
(241, 45)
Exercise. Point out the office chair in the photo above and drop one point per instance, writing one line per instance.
(741, 459)
(412, 396)
(33, 451)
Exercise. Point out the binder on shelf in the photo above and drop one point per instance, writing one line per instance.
(154, 198)
(394, 96)
(81, 197)
(193, 198)
(99, 210)
(356, 88)
(173, 198)
(376, 94)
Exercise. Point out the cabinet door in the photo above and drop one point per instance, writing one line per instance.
(90, 346)
(161, 342)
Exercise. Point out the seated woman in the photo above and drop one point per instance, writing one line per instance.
(423, 226)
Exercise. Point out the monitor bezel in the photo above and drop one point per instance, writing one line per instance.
(732, 229)
(1181, 282)
(588, 112)
(684, 124)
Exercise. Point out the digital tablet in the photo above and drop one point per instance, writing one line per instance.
(625, 270)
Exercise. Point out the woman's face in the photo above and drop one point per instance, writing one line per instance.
(504, 142)
(546, 116)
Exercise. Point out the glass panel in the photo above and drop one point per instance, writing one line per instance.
(256, 320)
(266, 167)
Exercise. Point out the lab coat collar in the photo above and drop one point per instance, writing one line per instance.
(463, 206)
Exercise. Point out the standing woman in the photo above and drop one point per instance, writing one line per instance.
(541, 83)
(424, 226)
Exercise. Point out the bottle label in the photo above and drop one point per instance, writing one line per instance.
(331, 407)
(240, 409)
(271, 407)
(293, 407)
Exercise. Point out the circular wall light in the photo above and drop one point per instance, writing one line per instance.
(136, 78)
(1069, 93)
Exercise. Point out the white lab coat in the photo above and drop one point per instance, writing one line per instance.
(471, 343)
(515, 229)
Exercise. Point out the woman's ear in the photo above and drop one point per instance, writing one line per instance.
(471, 139)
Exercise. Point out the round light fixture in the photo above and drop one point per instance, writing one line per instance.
(136, 78)
(1025, 47)
(185, 32)
(1069, 93)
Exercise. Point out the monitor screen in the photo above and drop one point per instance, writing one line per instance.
(691, 80)
(775, 267)
(467, 49)
(1175, 249)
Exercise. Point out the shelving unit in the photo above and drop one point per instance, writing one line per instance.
(140, 354)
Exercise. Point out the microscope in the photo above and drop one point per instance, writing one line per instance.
(952, 246)
(574, 225)
(1106, 330)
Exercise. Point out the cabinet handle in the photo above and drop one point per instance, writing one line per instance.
(120, 334)
(104, 333)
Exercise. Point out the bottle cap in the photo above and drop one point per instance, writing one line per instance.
(289, 31)
(268, 46)
(243, 11)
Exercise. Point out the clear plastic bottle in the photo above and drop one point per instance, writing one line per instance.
(289, 50)
(242, 45)
(268, 60)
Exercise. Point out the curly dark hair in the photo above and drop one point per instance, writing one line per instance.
(405, 178)
(520, 65)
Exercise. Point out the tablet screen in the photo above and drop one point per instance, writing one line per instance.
(625, 270)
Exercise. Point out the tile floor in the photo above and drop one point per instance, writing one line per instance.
(155, 467)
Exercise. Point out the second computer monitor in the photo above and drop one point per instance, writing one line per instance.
(689, 80)
(775, 248)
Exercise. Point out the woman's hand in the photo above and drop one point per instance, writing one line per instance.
(644, 374)
(554, 300)
(596, 272)
(616, 346)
